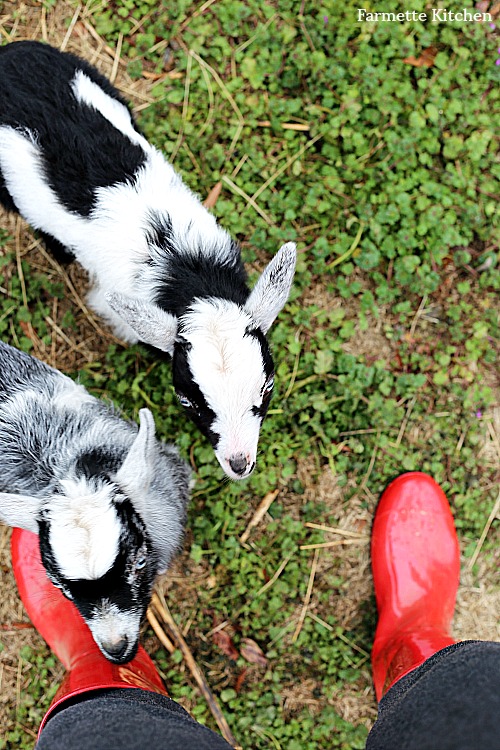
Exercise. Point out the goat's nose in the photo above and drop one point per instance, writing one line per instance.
(116, 649)
(238, 463)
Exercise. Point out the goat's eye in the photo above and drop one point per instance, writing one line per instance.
(140, 563)
(184, 401)
(268, 387)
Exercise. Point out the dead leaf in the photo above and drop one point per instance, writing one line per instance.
(152, 76)
(252, 652)
(17, 626)
(240, 679)
(426, 59)
(495, 11)
(211, 198)
(225, 643)
(28, 331)
(285, 125)
(482, 7)
(300, 126)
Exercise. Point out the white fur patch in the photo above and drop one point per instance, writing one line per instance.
(228, 368)
(84, 530)
(91, 94)
(21, 163)
(73, 396)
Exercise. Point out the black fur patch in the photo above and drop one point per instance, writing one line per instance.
(58, 250)
(46, 553)
(201, 414)
(98, 463)
(264, 348)
(261, 411)
(160, 234)
(5, 197)
(81, 149)
(192, 273)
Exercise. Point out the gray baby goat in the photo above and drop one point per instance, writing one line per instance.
(107, 500)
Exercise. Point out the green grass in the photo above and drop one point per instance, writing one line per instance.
(392, 196)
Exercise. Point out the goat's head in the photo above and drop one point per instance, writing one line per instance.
(223, 371)
(95, 548)
(223, 375)
(104, 537)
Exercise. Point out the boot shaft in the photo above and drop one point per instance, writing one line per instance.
(416, 567)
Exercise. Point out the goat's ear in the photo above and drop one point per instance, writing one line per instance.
(272, 289)
(153, 325)
(19, 510)
(136, 471)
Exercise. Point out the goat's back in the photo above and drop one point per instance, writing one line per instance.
(46, 419)
(81, 149)
(18, 371)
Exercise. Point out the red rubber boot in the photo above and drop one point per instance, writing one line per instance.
(416, 567)
(61, 625)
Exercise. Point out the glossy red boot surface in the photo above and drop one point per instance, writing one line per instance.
(416, 568)
(62, 627)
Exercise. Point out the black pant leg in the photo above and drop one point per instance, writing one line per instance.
(450, 702)
(126, 719)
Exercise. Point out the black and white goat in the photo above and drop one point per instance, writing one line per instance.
(74, 165)
(108, 501)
